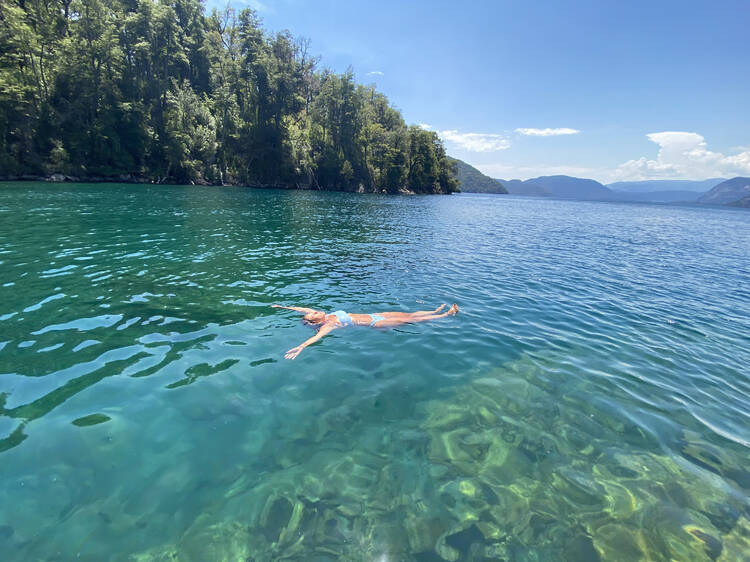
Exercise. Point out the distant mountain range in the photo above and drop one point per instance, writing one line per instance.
(564, 187)
(701, 186)
(655, 191)
(667, 196)
(520, 187)
(472, 180)
(715, 191)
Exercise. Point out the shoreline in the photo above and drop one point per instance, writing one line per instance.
(136, 180)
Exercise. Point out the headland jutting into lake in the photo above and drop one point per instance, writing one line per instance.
(168, 94)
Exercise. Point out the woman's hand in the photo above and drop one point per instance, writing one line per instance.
(276, 306)
(292, 353)
(324, 329)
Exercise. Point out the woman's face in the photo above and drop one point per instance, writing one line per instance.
(314, 317)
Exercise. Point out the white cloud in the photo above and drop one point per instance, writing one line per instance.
(475, 142)
(256, 5)
(375, 73)
(547, 132)
(471, 142)
(511, 172)
(683, 155)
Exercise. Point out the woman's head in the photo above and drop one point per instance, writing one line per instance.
(317, 317)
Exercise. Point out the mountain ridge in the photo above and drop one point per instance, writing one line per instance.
(471, 180)
(744, 202)
(668, 196)
(718, 191)
(727, 192)
(650, 186)
(564, 187)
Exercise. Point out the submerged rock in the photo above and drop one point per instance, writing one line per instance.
(275, 517)
(423, 532)
(480, 474)
(618, 542)
(222, 541)
(736, 543)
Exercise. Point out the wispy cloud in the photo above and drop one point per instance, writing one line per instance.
(471, 142)
(476, 142)
(256, 5)
(530, 132)
(374, 73)
(683, 155)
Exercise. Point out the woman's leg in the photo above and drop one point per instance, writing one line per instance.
(406, 316)
(425, 317)
(392, 319)
(425, 312)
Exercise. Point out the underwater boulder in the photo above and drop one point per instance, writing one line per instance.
(463, 542)
(578, 488)
(619, 542)
(423, 532)
(679, 534)
(736, 542)
(228, 540)
(620, 502)
(275, 517)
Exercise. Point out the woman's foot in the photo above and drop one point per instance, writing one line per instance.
(453, 309)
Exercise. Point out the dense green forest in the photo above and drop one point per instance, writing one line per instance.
(160, 91)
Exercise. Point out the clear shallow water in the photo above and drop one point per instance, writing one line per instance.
(589, 402)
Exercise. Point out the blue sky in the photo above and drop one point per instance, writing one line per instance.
(605, 89)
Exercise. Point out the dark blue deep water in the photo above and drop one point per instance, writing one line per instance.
(589, 402)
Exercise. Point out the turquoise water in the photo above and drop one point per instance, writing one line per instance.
(589, 402)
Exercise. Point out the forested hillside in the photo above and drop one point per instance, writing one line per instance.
(727, 192)
(471, 180)
(159, 91)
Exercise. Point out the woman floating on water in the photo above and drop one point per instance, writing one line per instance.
(341, 319)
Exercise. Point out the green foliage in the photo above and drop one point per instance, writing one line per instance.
(159, 90)
(190, 135)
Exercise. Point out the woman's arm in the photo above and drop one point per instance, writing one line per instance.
(325, 329)
(301, 309)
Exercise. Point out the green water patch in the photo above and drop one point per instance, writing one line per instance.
(202, 370)
(13, 440)
(476, 474)
(92, 419)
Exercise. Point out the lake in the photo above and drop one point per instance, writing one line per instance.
(590, 400)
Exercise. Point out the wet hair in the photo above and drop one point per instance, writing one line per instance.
(309, 318)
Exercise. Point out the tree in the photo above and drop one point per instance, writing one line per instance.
(190, 131)
(159, 90)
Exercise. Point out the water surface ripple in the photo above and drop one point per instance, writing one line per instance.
(590, 401)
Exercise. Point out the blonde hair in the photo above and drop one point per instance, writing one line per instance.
(311, 316)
